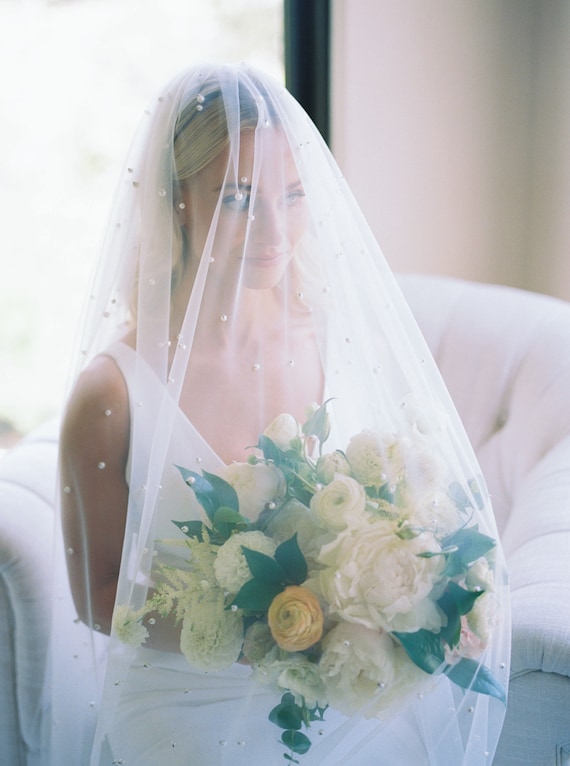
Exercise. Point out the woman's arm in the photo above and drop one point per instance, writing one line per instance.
(94, 450)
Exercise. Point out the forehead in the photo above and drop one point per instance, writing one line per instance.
(264, 155)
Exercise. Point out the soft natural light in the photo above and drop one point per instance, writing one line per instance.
(76, 76)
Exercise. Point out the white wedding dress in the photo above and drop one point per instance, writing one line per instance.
(173, 715)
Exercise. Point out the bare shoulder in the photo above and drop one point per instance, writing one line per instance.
(97, 415)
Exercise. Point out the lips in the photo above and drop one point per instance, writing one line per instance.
(265, 259)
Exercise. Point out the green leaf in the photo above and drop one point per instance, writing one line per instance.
(226, 515)
(256, 595)
(264, 567)
(319, 423)
(462, 499)
(468, 674)
(469, 545)
(269, 448)
(227, 496)
(455, 602)
(292, 561)
(296, 741)
(204, 491)
(424, 648)
(287, 715)
(191, 528)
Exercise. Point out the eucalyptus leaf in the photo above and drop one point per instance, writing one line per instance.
(256, 595)
(288, 555)
(264, 567)
(468, 674)
(296, 741)
(424, 648)
(287, 715)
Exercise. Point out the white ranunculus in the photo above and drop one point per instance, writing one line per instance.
(211, 636)
(340, 504)
(331, 464)
(282, 430)
(230, 565)
(294, 518)
(375, 578)
(256, 486)
(128, 627)
(375, 460)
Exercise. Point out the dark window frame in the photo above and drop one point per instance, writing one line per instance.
(307, 58)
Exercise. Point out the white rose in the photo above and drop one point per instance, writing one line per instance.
(294, 517)
(230, 565)
(331, 464)
(211, 636)
(256, 486)
(375, 460)
(340, 504)
(282, 430)
(375, 578)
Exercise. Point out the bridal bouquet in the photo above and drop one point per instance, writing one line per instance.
(347, 579)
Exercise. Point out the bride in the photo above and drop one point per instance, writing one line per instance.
(268, 502)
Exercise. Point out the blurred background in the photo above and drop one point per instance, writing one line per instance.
(449, 118)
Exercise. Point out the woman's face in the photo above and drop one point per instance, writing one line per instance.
(261, 217)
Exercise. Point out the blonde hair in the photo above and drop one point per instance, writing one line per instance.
(201, 133)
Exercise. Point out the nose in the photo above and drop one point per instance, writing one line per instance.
(268, 224)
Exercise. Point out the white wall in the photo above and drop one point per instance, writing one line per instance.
(451, 121)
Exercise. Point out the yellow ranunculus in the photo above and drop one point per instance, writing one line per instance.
(295, 619)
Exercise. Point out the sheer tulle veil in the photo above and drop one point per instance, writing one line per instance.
(239, 281)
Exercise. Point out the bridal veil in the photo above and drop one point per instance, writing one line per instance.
(304, 506)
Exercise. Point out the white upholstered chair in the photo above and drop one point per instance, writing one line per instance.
(505, 356)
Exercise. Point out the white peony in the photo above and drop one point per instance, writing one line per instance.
(367, 673)
(211, 636)
(377, 579)
(230, 565)
(282, 430)
(340, 504)
(256, 486)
